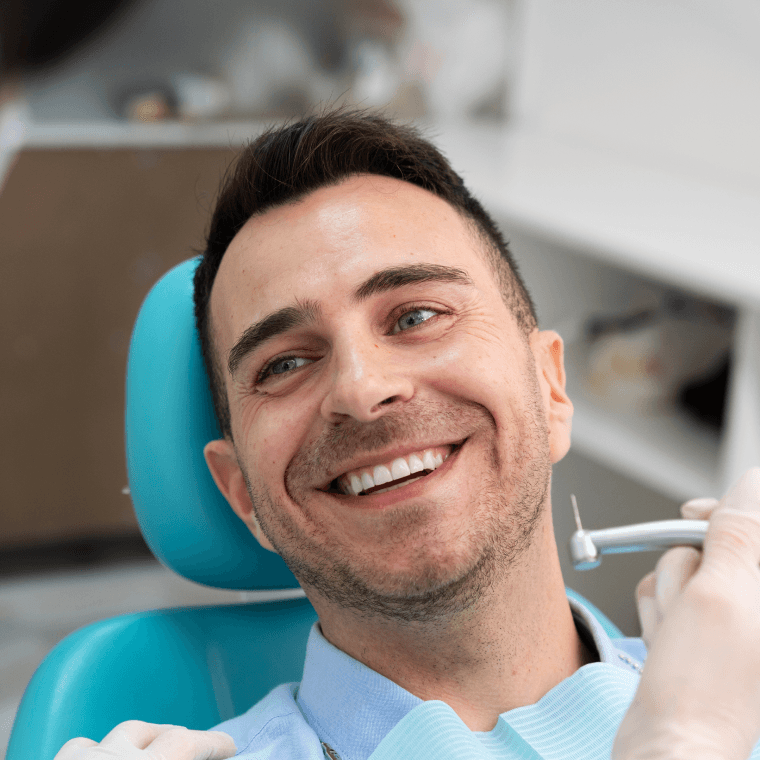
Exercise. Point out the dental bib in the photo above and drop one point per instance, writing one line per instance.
(433, 731)
(577, 720)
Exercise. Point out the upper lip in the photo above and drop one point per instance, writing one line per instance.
(383, 456)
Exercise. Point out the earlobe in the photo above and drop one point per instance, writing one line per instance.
(548, 350)
(222, 462)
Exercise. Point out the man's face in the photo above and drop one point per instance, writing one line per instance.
(369, 341)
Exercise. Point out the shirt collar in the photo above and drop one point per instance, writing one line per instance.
(352, 708)
(608, 650)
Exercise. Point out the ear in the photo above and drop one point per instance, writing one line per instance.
(223, 463)
(549, 353)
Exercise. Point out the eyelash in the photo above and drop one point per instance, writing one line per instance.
(265, 371)
(397, 315)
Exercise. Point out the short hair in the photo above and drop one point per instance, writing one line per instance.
(286, 163)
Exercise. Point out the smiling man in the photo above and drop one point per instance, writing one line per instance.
(391, 414)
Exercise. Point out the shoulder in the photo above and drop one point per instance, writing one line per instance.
(274, 728)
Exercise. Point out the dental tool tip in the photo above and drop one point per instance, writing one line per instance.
(576, 512)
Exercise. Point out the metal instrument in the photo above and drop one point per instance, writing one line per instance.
(587, 546)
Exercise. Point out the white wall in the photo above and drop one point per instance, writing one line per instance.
(673, 82)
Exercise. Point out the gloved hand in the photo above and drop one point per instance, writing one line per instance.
(699, 696)
(658, 590)
(135, 740)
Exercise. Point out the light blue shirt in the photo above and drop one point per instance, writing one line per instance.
(351, 708)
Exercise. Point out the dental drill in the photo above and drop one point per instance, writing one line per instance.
(587, 546)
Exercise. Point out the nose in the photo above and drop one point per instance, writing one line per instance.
(366, 382)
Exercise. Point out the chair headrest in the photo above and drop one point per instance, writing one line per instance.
(169, 418)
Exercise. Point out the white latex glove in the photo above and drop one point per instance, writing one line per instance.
(657, 591)
(135, 740)
(699, 696)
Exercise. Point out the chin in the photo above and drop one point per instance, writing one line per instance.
(427, 590)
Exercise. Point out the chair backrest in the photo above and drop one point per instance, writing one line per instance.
(190, 667)
(169, 419)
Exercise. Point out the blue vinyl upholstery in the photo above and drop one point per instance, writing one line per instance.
(185, 520)
(193, 667)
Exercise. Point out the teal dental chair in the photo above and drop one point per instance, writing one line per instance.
(195, 666)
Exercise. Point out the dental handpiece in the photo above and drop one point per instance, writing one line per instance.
(587, 546)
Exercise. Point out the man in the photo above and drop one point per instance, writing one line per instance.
(353, 335)
(391, 413)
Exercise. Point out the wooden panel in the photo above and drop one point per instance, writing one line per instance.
(85, 233)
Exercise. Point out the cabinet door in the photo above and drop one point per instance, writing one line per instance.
(85, 233)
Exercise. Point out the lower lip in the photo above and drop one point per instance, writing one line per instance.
(409, 491)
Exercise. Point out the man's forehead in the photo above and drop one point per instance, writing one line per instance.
(343, 214)
(333, 238)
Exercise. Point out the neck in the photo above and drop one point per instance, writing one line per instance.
(509, 649)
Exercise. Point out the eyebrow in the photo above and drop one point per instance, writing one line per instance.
(307, 312)
(397, 277)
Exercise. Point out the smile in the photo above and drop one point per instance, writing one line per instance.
(387, 476)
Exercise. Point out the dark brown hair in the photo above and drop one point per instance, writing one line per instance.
(287, 163)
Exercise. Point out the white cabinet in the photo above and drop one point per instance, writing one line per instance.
(584, 220)
(634, 151)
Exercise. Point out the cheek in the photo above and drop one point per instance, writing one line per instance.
(270, 437)
(480, 374)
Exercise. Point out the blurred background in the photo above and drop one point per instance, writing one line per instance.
(615, 141)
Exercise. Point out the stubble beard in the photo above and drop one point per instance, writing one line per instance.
(429, 593)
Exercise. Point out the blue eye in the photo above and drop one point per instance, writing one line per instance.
(282, 366)
(413, 318)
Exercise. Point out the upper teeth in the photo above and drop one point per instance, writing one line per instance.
(356, 481)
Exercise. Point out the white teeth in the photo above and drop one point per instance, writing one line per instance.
(381, 474)
(428, 460)
(400, 469)
(415, 464)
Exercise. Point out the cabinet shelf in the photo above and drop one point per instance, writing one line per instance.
(116, 133)
(697, 233)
